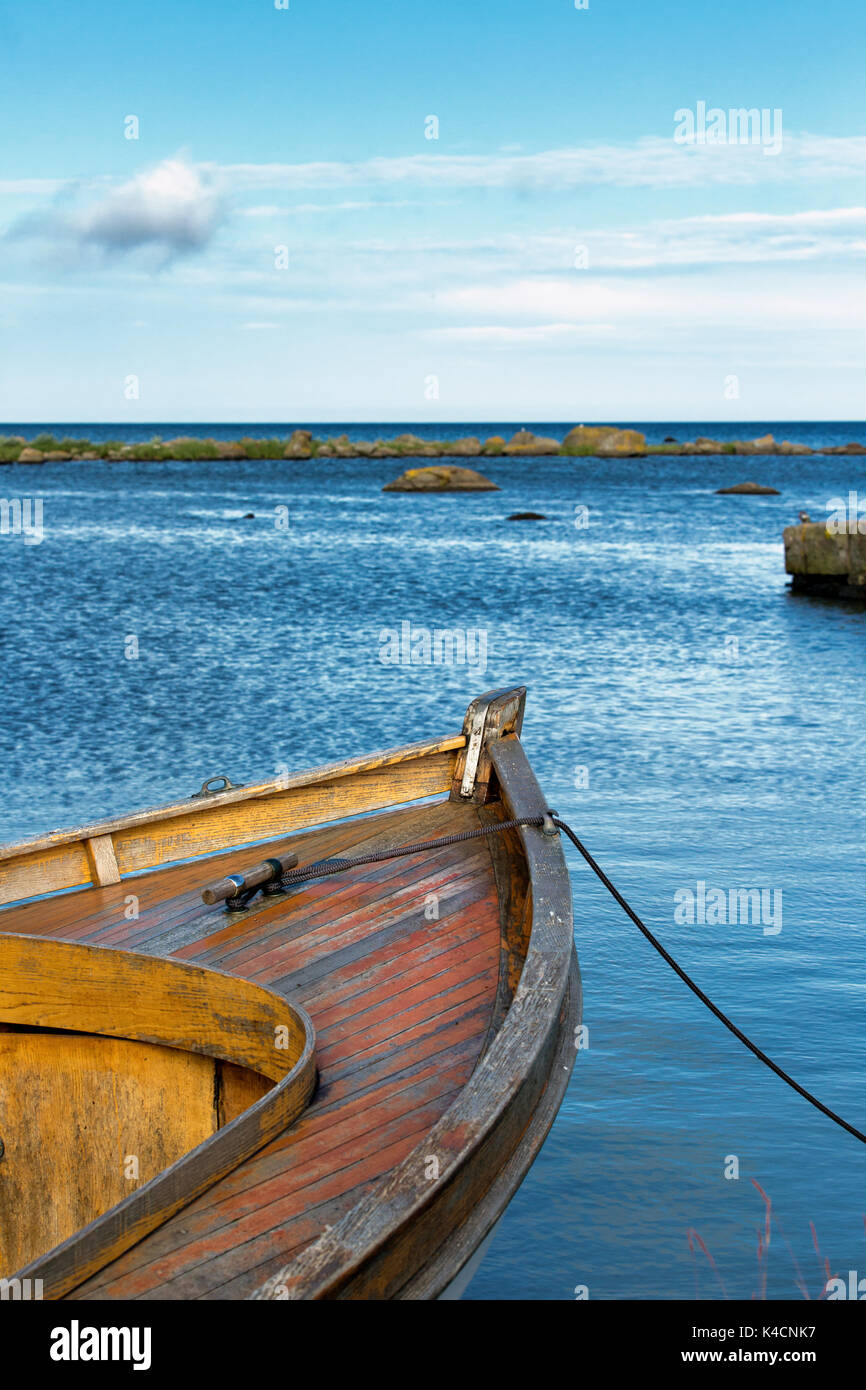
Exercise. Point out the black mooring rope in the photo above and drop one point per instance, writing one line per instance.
(324, 868)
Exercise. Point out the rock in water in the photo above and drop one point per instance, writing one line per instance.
(31, 456)
(750, 489)
(494, 445)
(604, 441)
(623, 444)
(525, 442)
(526, 516)
(300, 445)
(766, 444)
(824, 560)
(441, 477)
(469, 447)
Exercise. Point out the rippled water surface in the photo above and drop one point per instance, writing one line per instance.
(693, 720)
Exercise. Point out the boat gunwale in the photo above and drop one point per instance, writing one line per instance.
(324, 772)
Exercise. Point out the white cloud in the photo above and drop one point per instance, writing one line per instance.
(174, 205)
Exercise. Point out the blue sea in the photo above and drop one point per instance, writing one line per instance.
(695, 721)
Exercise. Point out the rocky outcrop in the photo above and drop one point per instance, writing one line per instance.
(526, 516)
(469, 447)
(494, 445)
(623, 444)
(585, 439)
(441, 477)
(703, 445)
(749, 490)
(599, 441)
(826, 561)
(786, 447)
(533, 445)
(343, 447)
(300, 445)
(411, 444)
(604, 441)
(765, 445)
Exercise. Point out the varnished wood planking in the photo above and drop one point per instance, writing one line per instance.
(94, 1097)
(384, 1059)
(323, 1126)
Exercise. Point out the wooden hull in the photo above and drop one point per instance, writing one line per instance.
(434, 998)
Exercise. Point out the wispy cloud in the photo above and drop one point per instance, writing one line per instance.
(652, 162)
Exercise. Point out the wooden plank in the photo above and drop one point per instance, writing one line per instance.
(461, 1243)
(84, 1124)
(327, 772)
(512, 886)
(237, 1089)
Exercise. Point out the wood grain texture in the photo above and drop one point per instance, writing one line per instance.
(52, 984)
(491, 716)
(102, 859)
(84, 1124)
(59, 985)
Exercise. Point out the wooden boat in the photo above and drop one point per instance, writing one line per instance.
(330, 1090)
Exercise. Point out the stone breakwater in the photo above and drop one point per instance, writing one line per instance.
(597, 441)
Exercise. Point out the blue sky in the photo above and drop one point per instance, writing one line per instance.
(554, 254)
